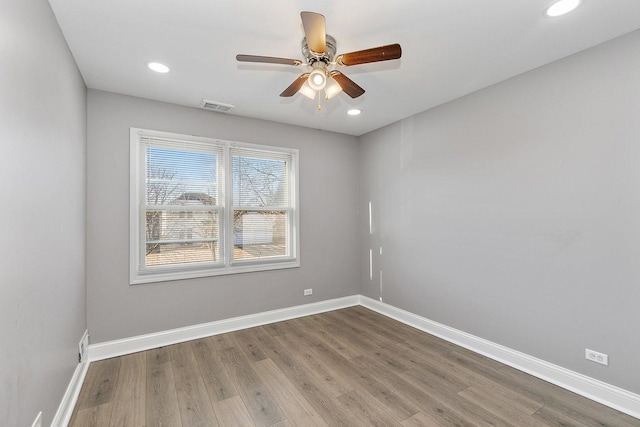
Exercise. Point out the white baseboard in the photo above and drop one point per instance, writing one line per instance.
(593, 389)
(138, 343)
(65, 409)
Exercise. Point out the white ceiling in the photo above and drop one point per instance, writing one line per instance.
(449, 49)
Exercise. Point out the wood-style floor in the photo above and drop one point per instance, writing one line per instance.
(350, 367)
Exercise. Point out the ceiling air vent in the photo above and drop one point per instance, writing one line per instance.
(216, 106)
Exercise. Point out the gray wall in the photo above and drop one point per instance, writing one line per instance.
(514, 213)
(329, 235)
(42, 181)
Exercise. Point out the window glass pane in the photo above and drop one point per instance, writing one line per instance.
(174, 237)
(174, 253)
(260, 234)
(178, 177)
(259, 182)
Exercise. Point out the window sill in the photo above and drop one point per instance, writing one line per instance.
(164, 276)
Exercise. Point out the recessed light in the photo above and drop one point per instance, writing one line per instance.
(354, 112)
(562, 7)
(158, 67)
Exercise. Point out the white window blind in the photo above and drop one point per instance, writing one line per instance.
(206, 207)
(180, 218)
(261, 204)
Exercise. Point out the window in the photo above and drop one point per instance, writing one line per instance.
(203, 207)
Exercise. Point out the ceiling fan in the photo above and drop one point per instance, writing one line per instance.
(319, 51)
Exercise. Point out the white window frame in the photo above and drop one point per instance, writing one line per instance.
(226, 265)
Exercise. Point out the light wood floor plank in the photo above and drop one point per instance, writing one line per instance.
(102, 379)
(350, 376)
(461, 374)
(442, 409)
(550, 417)
(430, 406)
(421, 420)
(193, 399)
(162, 400)
(214, 374)
(278, 328)
(261, 406)
(233, 412)
(129, 399)
(373, 347)
(372, 325)
(244, 342)
(317, 364)
(314, 327)
(499, 394)
(429, 370)
(94, 402)
(563, 401)
(430, 343)
(93, 416)
(420, 356)
(315, 392)
(295, 407)
(503, 407)
(222, 341)
(366, 408)
(397, 405)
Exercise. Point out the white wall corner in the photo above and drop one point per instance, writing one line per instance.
(607, 394)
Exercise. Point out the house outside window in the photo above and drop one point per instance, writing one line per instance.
(204, 207)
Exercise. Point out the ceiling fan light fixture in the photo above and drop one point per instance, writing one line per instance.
(332, 88)
(318, 79)
(307, 91)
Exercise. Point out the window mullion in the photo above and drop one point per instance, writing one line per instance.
(141, 189)
(222, 203)
(228, 230)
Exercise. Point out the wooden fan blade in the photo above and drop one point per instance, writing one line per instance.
(267, 59)
(382, 53)
(348, 86)
(315, 31)
(295, 86)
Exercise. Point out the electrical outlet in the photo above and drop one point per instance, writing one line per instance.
(596, 356)
(308, 292)
(38, 421)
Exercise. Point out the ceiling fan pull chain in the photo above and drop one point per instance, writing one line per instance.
(319, 101)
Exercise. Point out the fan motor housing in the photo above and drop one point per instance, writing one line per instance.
(326, 57)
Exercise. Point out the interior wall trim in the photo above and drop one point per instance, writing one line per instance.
(607, 394)
(108, 349)
(70, 397)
